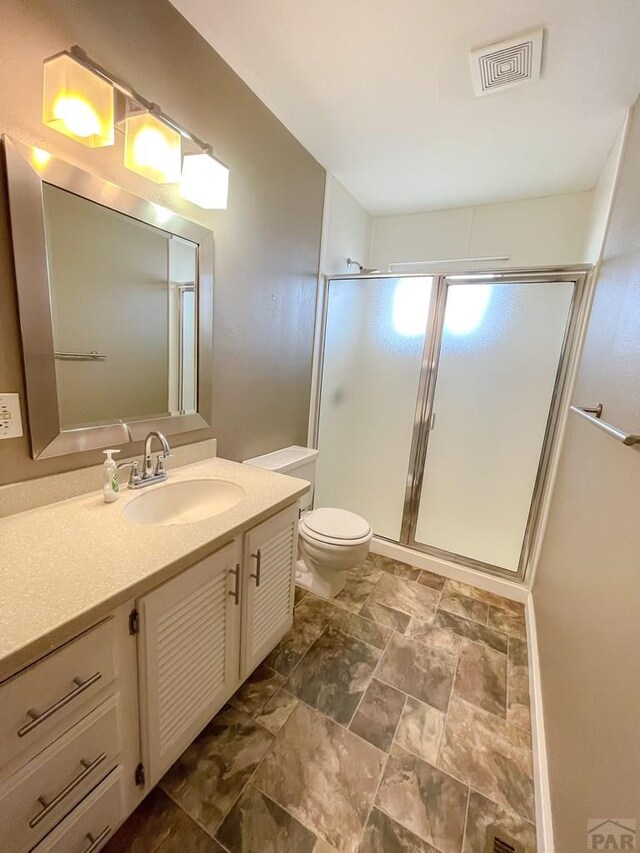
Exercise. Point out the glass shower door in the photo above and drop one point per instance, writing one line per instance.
(498, 366)
(371, 375)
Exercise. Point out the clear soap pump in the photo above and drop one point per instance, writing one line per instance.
(110, 484)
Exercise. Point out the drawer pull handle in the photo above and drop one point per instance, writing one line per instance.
(37, 718)
(258, 558)
(96, 841)
(236, 589)
(50, 805)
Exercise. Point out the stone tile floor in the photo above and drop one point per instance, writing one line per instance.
(393, 718)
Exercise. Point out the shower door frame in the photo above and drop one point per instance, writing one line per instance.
(579, 277)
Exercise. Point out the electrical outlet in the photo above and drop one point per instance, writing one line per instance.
(10, 419)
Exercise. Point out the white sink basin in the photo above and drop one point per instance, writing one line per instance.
(184, 502)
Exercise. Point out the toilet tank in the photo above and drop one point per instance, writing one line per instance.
(295, 461)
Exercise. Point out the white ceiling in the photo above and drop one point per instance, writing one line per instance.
(380, 92)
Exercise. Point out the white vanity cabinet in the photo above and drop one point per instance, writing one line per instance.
(188, 655)
(68, 725)
(270, 551)
(42, 701)
(89, 729)
(203, 632)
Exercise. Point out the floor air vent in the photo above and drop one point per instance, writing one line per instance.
(507, 64)
(497, 841)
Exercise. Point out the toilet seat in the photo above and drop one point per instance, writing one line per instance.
(335, 527)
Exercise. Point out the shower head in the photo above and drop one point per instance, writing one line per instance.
(361, 270)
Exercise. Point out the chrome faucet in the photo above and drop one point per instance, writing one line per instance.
(158, 471)
(150, 473)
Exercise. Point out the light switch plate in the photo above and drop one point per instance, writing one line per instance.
(10, 418)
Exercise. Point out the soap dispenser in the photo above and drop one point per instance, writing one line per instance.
(110, 484)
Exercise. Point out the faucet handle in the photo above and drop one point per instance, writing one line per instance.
(159, 469)
(134, 477)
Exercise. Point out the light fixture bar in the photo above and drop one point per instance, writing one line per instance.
(81, 57)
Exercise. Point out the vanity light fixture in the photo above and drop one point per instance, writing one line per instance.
(205, 181)
(152, 148)
(77, 102)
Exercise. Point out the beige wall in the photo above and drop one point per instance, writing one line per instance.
(603, 199)
(532, 232)
(266, 244)
(347, 230)
(587, 590)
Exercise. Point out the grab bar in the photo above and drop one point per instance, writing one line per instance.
(593, 413)
(94, 355)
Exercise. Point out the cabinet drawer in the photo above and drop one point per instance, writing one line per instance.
(92, 823)
(42, 793)
(41, 701)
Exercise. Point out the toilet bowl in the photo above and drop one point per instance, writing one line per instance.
(331, 541)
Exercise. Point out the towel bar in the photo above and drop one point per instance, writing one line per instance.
(593, 413)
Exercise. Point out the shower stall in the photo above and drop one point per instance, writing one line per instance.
(438, 403)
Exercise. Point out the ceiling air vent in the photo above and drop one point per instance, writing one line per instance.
(507, 64)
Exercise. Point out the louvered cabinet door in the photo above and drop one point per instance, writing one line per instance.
(188, 655)
(270, 552)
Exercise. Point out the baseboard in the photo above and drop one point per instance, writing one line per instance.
(501, 586)
(544, 824)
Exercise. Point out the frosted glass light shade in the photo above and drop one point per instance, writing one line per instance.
(152, 149)
(77, 103)
(204, 182)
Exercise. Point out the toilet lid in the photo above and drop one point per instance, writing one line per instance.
(336, 524)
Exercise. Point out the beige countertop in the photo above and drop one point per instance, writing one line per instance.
(68, 564)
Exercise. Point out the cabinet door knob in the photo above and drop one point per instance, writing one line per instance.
(235, 592)
(258, 558)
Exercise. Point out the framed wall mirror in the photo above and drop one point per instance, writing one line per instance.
(116, 308)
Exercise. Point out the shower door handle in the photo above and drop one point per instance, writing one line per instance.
(432, 422)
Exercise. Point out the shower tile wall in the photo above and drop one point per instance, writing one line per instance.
(393, 718)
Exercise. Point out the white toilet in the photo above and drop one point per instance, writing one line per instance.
(330, 540)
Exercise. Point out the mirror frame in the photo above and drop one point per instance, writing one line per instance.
(26, 210)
